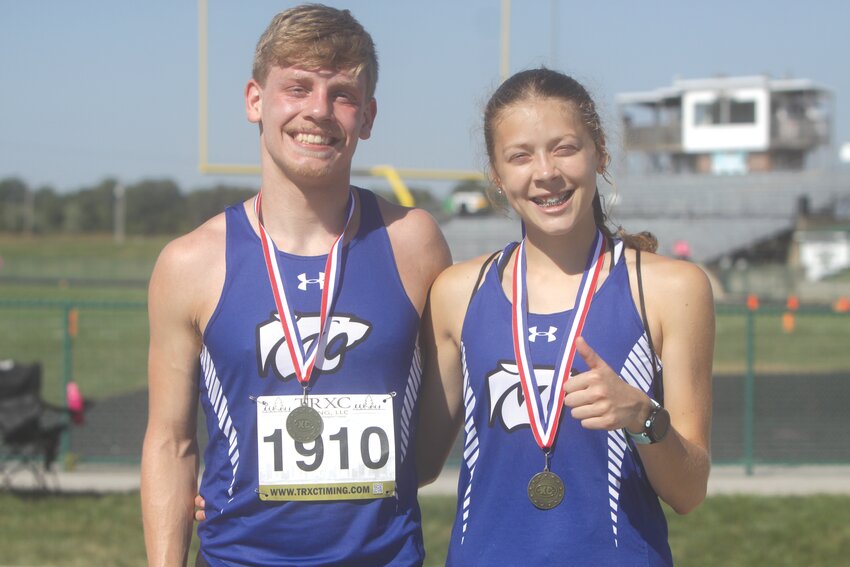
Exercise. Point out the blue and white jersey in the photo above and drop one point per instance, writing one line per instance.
(610, 514)
(371, 349)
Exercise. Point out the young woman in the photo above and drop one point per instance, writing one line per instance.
(578, 361)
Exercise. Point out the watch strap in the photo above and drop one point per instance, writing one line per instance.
(643, 437)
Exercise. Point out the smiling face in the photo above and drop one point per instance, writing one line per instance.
(310, 121)
(545, 160)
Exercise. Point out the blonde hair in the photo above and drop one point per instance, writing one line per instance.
(316, 36)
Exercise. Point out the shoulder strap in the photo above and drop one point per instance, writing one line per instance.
(481, 275)
(655, 379)
(370, 214)
(502, 262)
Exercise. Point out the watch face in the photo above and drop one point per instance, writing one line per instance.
(660, 424)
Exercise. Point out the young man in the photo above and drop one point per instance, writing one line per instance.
(293, 317)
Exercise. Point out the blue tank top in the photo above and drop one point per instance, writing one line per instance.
(610, 514)
(371, 350)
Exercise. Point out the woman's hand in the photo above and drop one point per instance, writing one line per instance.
(200, 506)
(600, 399)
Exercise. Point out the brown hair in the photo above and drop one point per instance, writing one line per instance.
(317, 36)
(544, 83)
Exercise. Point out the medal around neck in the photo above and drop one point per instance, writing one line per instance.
(544, 420)
(303, 362)
(546, 490)
(304, 424)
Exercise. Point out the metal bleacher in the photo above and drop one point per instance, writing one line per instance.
(714, 214)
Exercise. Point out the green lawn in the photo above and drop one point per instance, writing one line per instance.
(110, 349)
(80, 269)
(725, 530)
(73, 257)
(107, 356)
(42, 278)
(818, 342)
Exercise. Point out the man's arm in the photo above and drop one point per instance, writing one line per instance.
(421, 254)
(170, 451)
(419, 248)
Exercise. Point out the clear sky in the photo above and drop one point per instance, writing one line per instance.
(106, 88)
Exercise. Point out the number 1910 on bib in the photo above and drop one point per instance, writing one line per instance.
(354, 458)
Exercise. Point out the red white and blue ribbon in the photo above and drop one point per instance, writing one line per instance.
(545, 425)
(303, 362)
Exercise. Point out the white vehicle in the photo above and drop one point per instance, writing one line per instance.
(467, 203)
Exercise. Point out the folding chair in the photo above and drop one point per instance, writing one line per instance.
(30, 428)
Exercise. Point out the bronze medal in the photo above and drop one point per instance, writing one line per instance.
(304, 424)
(545, 490)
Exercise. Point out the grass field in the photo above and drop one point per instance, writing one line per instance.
(108, 356)
(110, 349)
(817, 344)
(726, 530)
(40, 279)
(78, 257)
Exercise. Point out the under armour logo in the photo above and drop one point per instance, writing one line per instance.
(304, 280)
(550, 334)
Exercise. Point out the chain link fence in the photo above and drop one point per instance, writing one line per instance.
(781, 377)
(102, 347)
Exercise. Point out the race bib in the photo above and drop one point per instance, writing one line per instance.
(353, 458)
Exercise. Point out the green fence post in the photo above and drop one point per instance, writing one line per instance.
(749, 386)
(69, 331)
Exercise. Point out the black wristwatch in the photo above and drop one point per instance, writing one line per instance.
(654, 428)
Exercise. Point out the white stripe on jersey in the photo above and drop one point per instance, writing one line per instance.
(218, 401)
(470, 449)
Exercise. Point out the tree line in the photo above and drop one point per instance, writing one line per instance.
(148, 207)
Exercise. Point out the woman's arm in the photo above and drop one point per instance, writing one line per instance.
(680, 297)
(681, 314)
(441, 394)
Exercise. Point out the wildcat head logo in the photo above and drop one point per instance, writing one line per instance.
(344, 333)
(507, 400)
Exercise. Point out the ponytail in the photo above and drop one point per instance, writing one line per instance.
(643, 241)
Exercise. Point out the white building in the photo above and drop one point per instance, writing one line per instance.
(823, 253)
(726, 125)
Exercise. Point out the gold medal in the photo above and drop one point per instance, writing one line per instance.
(304, 424)
(545, 490)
